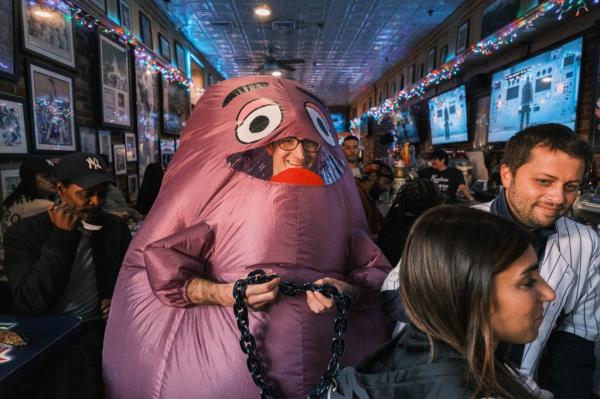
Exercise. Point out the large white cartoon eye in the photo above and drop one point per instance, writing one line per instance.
(257, 120)
(320, 123)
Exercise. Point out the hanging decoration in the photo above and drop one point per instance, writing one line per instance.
(82, 19)
(488, 46)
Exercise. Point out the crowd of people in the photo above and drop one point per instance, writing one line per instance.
(498, 299)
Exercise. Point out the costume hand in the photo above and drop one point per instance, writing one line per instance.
(105, 308)
(319, 303)
(64, 216)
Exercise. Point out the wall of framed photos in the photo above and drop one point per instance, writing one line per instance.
(68, 87)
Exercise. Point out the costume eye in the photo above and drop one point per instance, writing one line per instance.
(320, 123)
(257, 120)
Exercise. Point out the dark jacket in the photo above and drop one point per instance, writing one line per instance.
(39, 257)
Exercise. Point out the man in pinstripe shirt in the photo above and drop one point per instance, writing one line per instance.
(541, 172)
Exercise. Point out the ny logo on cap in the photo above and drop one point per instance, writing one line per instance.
(93, 163)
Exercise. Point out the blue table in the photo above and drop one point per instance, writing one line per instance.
(44, 334)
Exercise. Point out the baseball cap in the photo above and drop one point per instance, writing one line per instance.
(34, 165)
(84, 169)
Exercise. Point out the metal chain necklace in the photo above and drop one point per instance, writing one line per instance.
(248, 343)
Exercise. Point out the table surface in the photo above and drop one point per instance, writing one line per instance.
(43, 334)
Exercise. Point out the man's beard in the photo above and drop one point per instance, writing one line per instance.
(90, 215)
(525, 212)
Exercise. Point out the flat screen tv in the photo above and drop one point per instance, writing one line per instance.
(448, 117)
(339, 122)
(541, 89)
(406, 128)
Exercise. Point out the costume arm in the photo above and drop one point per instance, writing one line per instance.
(38, 276)
(176, 261)
(368, 265)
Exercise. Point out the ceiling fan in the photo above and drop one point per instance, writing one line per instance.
(272, 63)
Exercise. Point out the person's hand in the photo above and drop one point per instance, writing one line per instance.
(64, 216)
(257, 295)
(319, 303)
(105, 308)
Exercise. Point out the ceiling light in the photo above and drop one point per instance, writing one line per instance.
(263, 10)
(276, 73)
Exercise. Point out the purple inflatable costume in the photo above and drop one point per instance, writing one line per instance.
(218, 218)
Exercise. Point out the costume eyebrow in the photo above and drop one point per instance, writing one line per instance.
(317, 99)
(242, 90)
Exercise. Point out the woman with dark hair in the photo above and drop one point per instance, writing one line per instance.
(464, 293)
(150, 186)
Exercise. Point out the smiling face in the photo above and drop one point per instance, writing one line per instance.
(284, 159)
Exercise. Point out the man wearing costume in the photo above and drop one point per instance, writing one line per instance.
(259, 182)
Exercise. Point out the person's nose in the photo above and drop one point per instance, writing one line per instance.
(298, 152)
(95, 201)
(556, 194)
(545, 292)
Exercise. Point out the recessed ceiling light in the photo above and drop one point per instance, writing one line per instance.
(263, 10)
(276, 73)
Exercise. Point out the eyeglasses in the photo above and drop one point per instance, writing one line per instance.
(290, 144)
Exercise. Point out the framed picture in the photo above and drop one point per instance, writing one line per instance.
(167, 150)
(462, 37)
(105, 144)
(146, 30)
(147, 105)
(115, 84)
(130, 147)
(10, 180)
(443, 54)
(421, 70)
(120, 159)
(101, 4)
(8, 45)
(431, 59)
(88, 139)
(411, 74)
(174, 107)
(180, 58)
(13, 126)
(132, 187)
(164, 47)
(125, 15)
(497, 14)
(401, 82)
(52, 102)
(47, 32)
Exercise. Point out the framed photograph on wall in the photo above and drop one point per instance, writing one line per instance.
(175, 106)
(125, 15)
(130, 147)
(431, 59)
(164, 47)
(411, 74)
(105, 144)
(421, 70)
(47, 32)
(88, 139)
(167, 150)
(132, 188)
(462, 37)
(180, 58)
(443, 54)
(147, 115)
(120, 158)
(13, 126)
(115, 83)
(101, 4)
(10, 180)
(53, 109)
(146, 30)
(8, 45)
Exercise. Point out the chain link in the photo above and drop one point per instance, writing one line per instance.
(248, 343)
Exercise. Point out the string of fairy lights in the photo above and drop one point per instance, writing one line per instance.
(486, 47)
(147, 57)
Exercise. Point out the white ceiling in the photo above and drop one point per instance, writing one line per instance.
(346, 44)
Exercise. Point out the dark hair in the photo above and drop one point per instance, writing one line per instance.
(27, 187)
(350, 138)
(440, 154)
(446, 284)
(413, 198)
(554, 136)
(150, 187)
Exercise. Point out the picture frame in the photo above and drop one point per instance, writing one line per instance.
(167, 150)
(443, 55)
(105, 144)
(10, 180)
(401, 82)
(115, 83)
(499, 13)
(462, 37)
(431, 59)
(88, 139)
(164, 47)
(125, 14)
(13, 126)
(421, 70)
(132, 188)
(180, 60)
(120, 159)
(49, 36)
(146, 31)
(130, 147)
(148, 109)
(411, 74)
(53, 109)
(101, 4)
(175, 107)
(9, 67)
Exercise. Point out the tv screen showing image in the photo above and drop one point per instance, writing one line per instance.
(406, 128)
(541, 89)
(339, 122)
(448, 117)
